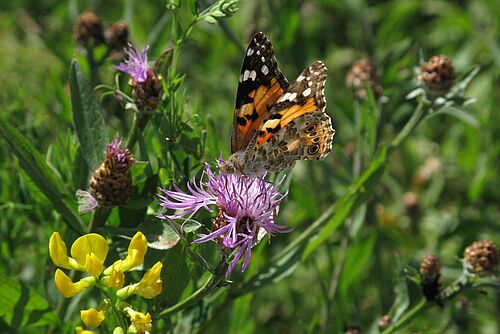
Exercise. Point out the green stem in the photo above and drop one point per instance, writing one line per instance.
(93, 66)
(210, 285)
(412, 313)
(138, 125)
(99, 218)
(415, 119)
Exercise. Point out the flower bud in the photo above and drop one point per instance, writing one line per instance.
(364, 72)
(116, 35)
(352, 330)
(482, 257)
(147, 94)
(88, 29)
(437, 75)
(430, 272)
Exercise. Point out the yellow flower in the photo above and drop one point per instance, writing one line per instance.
(66, 286)
(142, 322)
(92, 317)
(116, 278)
(80, 330)
(88, 253)
(136, 251)
(148, 287)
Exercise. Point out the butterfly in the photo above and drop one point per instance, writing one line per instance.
(276, 123)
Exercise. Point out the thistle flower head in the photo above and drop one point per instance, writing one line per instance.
(482, 257)
(117, 157)
(247, 208)
(136, 65)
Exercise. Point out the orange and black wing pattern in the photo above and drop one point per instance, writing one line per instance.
(261, 84)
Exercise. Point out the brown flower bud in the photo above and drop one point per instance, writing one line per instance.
(362, 72)
(88, 29)
(111, 183)
(482, 256)
(147, 94)
(437, 75)
(430, 272)
(410, 201)
(116, 35)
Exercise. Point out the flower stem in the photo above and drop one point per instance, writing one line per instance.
(415, 119)
(139, 123)
(419, 307)
(210, 285)
(99, 218)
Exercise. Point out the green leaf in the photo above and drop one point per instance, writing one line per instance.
(87, 116)
(193, 7)
(38, 170)
(21, 306)
(355, 195)
(460, 113)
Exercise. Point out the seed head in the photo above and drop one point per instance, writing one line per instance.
(116, 35)
(88, 29)
(362, 72)
(437, 75)
(482, 256)
(430, 272)
(384, 322)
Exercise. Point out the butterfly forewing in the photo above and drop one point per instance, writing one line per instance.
(261, 84)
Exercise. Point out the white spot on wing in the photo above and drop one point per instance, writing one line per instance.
(246, 74)
(264, 69)
(300, 78)
(253, 75)
(288, 97)
(307, 92)
(250, 52)
(263, 59)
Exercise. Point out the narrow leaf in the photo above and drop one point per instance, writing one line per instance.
(38, 170)
(87, 116)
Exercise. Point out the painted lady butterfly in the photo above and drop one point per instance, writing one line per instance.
(275, 123)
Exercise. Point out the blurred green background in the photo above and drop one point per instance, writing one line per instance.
(441, 190)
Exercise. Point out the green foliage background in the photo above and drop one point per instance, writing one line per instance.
(356, 273)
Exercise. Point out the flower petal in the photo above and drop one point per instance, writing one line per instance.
(116, 279)
(136, 251)
(90, 251)
(58, 251)
(150, 285)
(92, 317)
(66, 286)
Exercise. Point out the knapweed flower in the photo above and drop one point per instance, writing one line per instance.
(111, 183)
(437, 75)
(145, 83)
(116, 35)
(247, 208)
(430, 273)
(482, 257)
(88, 254)
(364, 72)
(88, 29)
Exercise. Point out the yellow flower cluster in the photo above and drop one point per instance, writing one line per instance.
(88, 254)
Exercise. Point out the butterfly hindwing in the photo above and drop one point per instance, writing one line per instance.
(261, 83)
(297, 126)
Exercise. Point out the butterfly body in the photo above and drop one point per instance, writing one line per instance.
(275, 123)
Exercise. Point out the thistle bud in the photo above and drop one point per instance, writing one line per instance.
(430, 272)
(411, 203)
(362, 72)
(437, 75)
(116, 35)
(482, 257)
(111, 183)
(88, 29)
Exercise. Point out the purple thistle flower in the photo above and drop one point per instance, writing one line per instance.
(137, 64)
(118, 157)
(247, 210)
